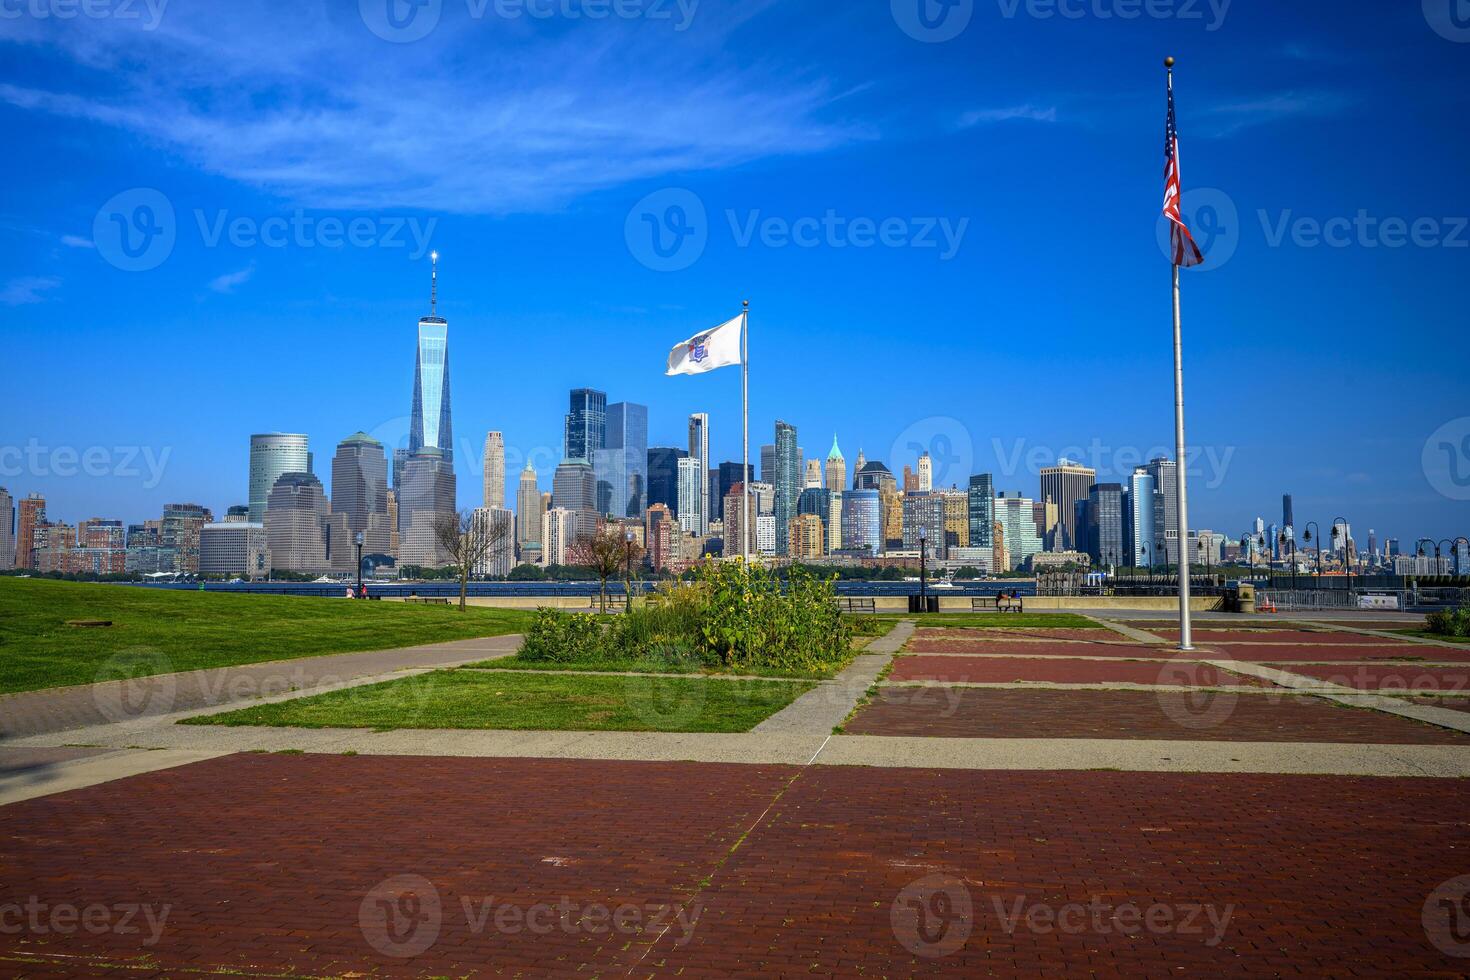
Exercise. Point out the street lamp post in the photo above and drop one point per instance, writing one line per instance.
(1307, 539)
(1347, 550)
(923, 572)
(1455, 549)
(628, 571)
(1285, 543)
(358, 540)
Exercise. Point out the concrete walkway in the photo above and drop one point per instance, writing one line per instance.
(820, 710)
(110, 702)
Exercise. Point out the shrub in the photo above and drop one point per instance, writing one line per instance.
(1449, 622)
(731, 616)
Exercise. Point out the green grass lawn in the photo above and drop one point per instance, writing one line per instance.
(162, 630)
(531, 701)
(1000, 620)
(652, 665)
(1425, 634)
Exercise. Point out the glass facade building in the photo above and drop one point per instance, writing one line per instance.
(624, 469)
(862, 526)
(273, 454)
(981, 510)
(586, 425)
(429, 427)
(1104, 512)
(1138, 519)
(788, 483)
(663, 476)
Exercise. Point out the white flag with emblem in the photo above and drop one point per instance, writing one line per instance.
(714, 348)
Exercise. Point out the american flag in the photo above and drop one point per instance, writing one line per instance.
(1184, 252)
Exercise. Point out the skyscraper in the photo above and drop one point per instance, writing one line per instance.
(586, 425)
(529, 512)
(426, 499)
(729, 476)
(691, 490)
(836, 468)
(699, 450)
(574, 489)
(494, 470)
(663, 476)
(788, 485)
(624, 461)
(429, 427)
(1104, 510)
(272, 454)
(981, 510)
(926, 473)
(360, 492)
(768, 464)
(1287, 517)
(862, 529)
(7, 530)
(1165, 549)
(1013, 512)
(1138, 519)
(813, 478)
(296, 524)
(1065, 484)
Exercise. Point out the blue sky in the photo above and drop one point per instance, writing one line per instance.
(946, 242)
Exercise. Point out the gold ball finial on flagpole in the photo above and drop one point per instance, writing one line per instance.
(745, 303)
(1169, 61)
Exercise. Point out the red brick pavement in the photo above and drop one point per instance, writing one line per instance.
(1277, 636)
(266, 861)
(1052, 648)
(1285, 653)
(1406, 678)
(1001, 670)
(1016, 633)
(959, 712)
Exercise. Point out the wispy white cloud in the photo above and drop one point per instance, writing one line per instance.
(227, 282)
(27, 290)
(480, 117)
(1229, 118)
(1028, 113)
(77, 241)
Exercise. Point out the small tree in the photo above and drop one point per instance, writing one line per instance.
(606, 553)
(470, 543)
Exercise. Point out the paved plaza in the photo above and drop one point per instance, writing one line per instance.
(957, 802)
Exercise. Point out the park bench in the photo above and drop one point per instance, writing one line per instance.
(429, 600)
(986, 603)
(855, 604)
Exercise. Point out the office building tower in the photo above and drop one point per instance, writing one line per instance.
(1165, 550)
(833, 520)
(712, 494)
(836, 467)
(429, 424)
(1287, 517)
(425, 501)
(586, 425)
(529, 511)
(874, 476)
(1001, 562)
(237, 514)
(360, 493)
(762, 498)
(768, 464)
(923, 514)
(272, 454)
(910, 480)
(1138, 519)
(729, 476)
(235, 549)
(980, 508)
(574, 489)
(862, 462)
(559, 532)
(956, 517)
(1014, 513)
(808, 538)
(926, 473)
(30, 519)
(699, 449)
(494, 470)
(624, 461)
(663, 476)
(787, 483)
(692, 486)
(1064, 484)
(7, 530)
(765, 535)
(813, 476)
(496, 528)
(180, 530)
(862, 527)
(735, 524)
(1104, 513)
(296, 525)
(818, 501)
(660, 533)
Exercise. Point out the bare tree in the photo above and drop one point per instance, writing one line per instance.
(471, 542)
(607, 553)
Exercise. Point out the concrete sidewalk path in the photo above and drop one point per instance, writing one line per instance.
(120, 701)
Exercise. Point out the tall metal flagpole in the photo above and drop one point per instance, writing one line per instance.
(745, 430)
(1181, 498)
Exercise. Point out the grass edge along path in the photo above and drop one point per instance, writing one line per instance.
(158, 631)
(531, 701)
